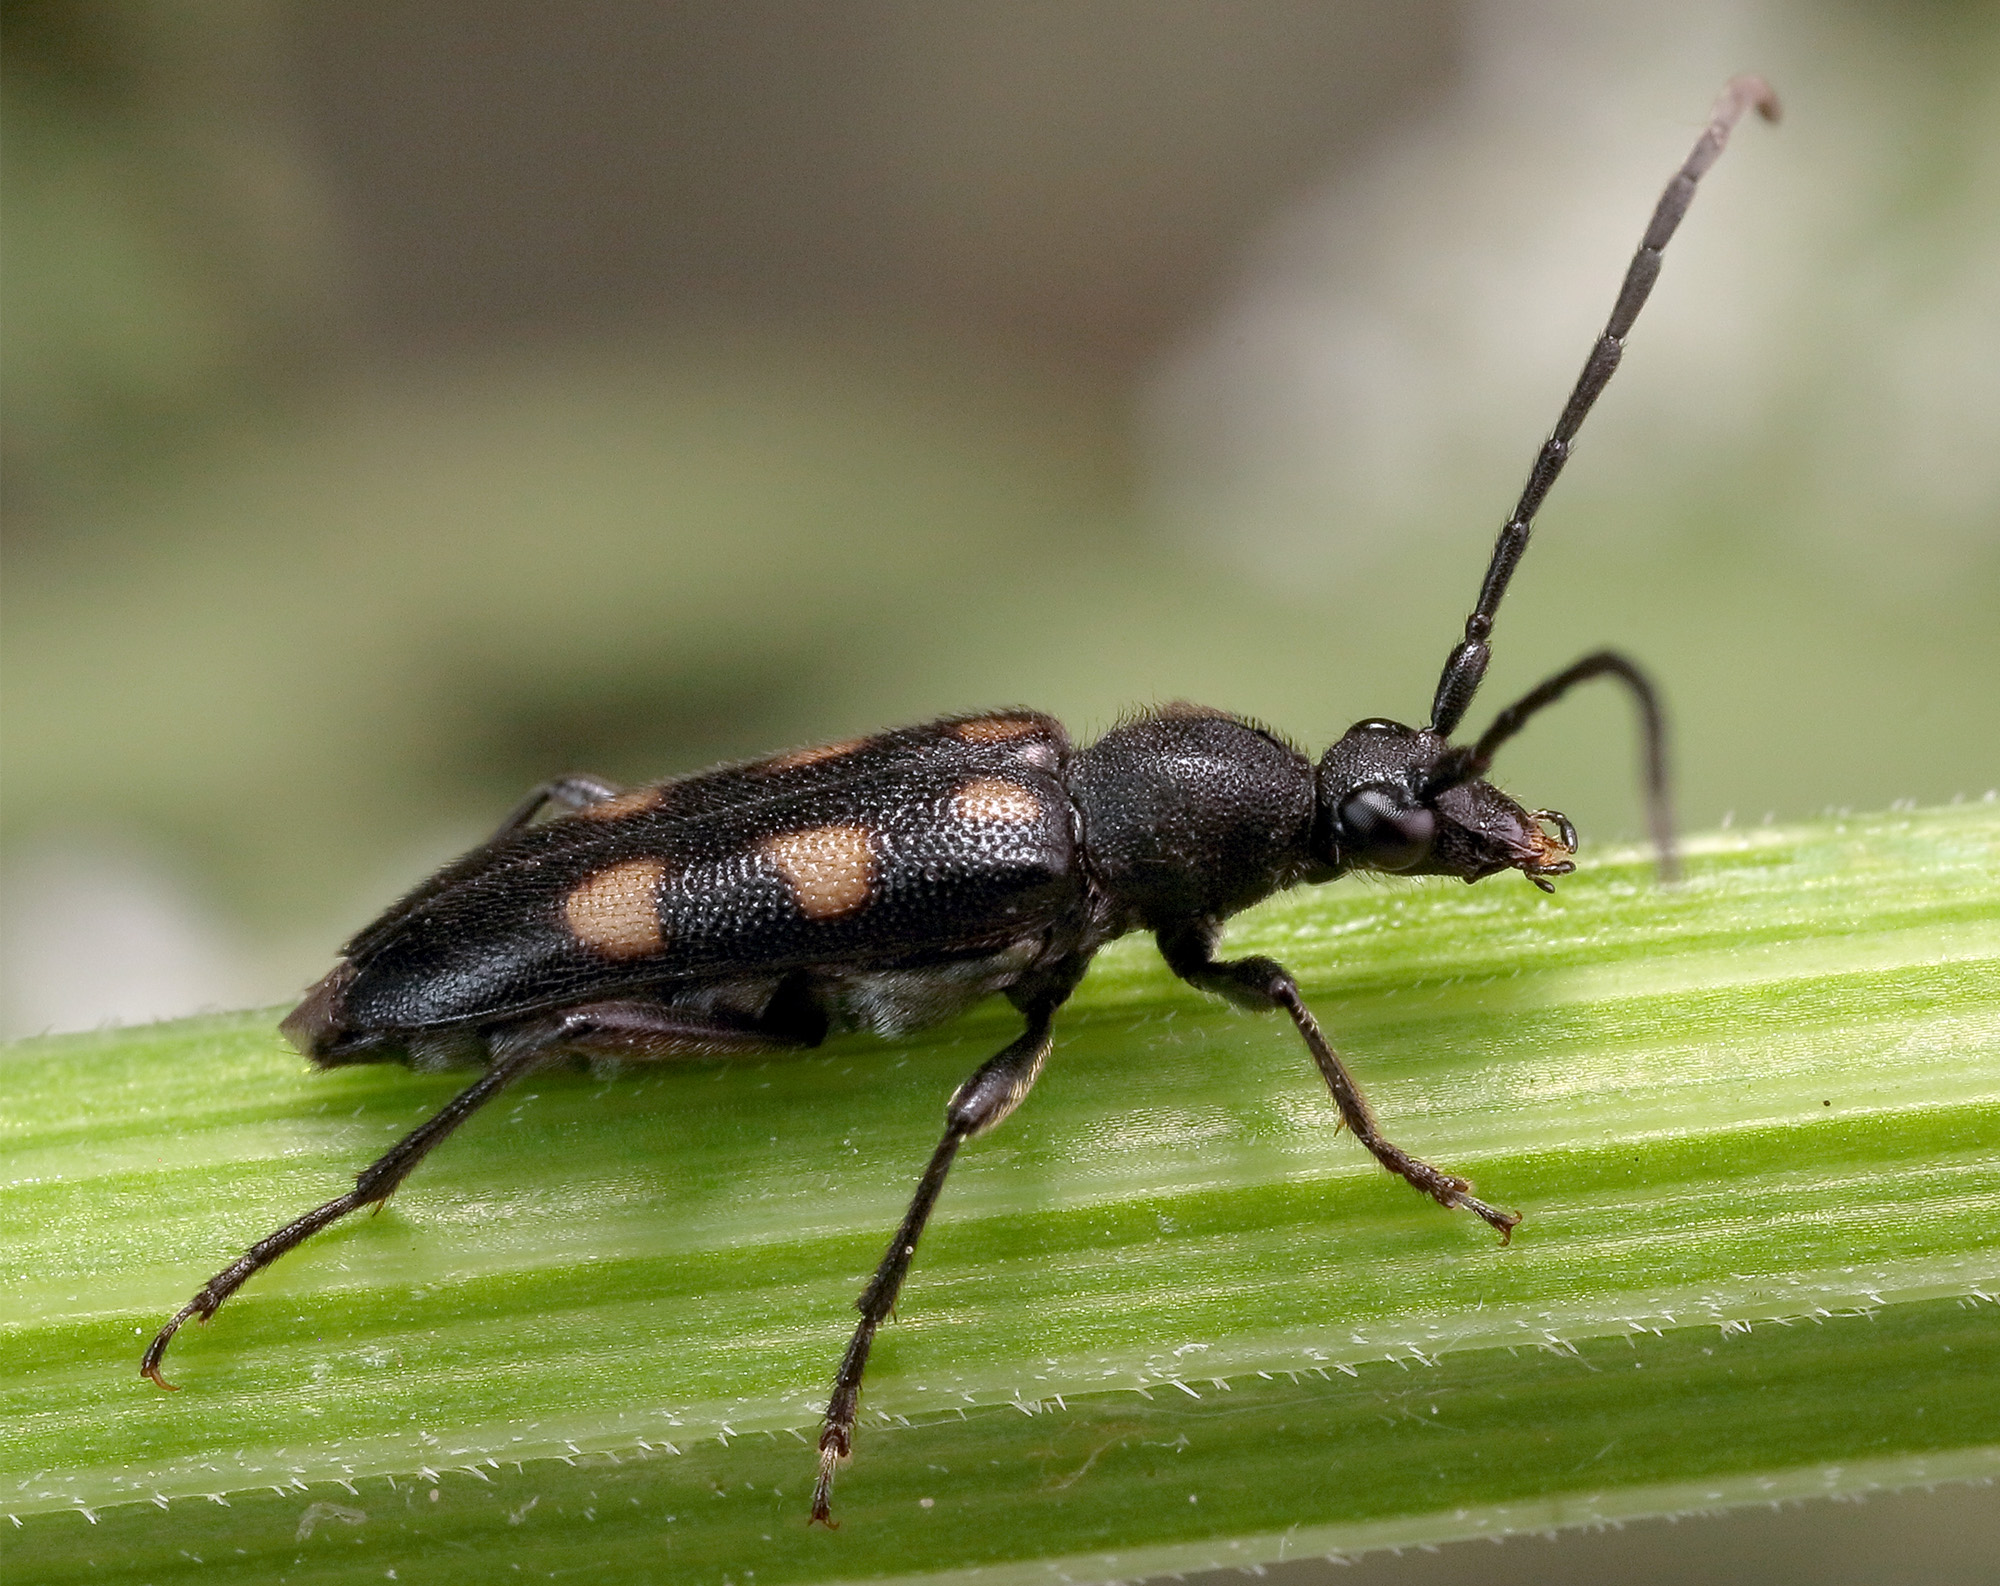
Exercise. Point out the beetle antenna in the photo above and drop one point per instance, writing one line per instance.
(1467, 664)
(1462, 765)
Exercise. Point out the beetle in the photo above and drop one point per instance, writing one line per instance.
(887, 883)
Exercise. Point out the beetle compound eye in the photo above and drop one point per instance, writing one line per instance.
(1379, 826)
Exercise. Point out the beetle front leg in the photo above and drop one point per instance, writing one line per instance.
(1264, 983)
(994, 1090)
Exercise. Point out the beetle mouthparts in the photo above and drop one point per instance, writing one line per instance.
(1548, 852)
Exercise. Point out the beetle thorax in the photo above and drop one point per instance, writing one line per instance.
(1191, 813)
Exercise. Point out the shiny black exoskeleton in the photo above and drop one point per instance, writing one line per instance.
(887, 883)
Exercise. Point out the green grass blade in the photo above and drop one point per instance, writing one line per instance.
(1773, 1092)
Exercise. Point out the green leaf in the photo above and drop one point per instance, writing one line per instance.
(1166, 1316)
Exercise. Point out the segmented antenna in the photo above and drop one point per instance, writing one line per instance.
(1460, 764)
(1467, 663)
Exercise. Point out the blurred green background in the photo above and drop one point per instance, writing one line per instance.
(404, 403)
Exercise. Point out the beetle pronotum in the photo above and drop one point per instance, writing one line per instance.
(887, 883)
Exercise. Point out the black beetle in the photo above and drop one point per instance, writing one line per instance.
(888, 883)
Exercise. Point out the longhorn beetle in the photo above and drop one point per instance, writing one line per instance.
(887, 883)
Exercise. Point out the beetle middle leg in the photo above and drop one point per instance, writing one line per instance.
(1263, 983)
(995, 1089)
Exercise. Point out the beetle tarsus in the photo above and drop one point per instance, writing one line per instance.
(201, 1308)
(833, 1448)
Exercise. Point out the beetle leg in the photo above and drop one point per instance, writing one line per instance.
(621, 1029)
(640, 1029)
(1263, 983)
(995, 1089)
(374, 1184)
(570, 793)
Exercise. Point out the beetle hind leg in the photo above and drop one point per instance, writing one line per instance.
(642, 1029)
(373, 1185)
(614, 1029)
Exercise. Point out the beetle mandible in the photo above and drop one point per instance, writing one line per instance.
(887, 883)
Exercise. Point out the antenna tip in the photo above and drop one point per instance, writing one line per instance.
(1748, 91)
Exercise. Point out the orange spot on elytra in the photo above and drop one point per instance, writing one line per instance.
(995, 729)
(634, 801)
(830, 869)
(792, 759)
(988, 798)
(617, 911)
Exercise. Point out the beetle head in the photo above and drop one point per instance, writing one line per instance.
(1402, 799)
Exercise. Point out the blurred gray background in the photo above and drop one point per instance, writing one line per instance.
(406, 402)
